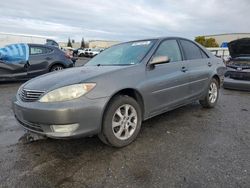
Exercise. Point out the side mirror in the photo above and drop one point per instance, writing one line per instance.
(159, 60)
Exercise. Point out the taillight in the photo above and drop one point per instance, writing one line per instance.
(67, 56)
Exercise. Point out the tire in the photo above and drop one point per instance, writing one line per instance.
(119, 128)
(212, 95)
(56, 68)
(81, 55)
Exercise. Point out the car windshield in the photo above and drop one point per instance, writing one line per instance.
(129, 53)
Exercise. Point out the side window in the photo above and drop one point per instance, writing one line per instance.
(171, 49)
(34, 50)
(191, 51)
(203, 54)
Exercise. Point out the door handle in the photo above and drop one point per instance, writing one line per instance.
(184, 69)
(48, 58)
(26, 65)
(209, 64)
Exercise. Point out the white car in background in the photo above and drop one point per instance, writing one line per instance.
(95, 52)
(84, 52)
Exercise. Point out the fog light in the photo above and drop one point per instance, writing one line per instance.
(64, 128)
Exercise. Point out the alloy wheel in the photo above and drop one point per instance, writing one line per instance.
(213, 92)
(124, 122)
(57, 68)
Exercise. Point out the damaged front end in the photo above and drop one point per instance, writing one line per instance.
(237, 74)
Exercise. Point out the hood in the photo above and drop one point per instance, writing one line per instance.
(239, 48)
(69, 76)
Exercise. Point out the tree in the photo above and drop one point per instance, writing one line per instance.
(209, 42)
(82, 43)
(201, 40)
(69, 43)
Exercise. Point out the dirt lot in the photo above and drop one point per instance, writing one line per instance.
(187, 147)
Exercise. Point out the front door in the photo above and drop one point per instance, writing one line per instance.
(168, 83)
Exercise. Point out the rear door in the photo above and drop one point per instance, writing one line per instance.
(13, 70)
(199, 67)
(167, 83)
(39, 60)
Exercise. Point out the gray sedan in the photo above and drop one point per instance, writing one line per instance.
(118, 89)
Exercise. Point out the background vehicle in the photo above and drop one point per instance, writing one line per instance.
(75, 52)
(70, 53)
(118, 89)
(84, 52)
(41, 59)
(237, 75)
(87, 52)
(221, 53)
(94, 52)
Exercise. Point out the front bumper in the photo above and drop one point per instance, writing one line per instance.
(230, 83)
(38, 117)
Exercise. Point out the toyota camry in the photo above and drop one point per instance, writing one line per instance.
(118, 89)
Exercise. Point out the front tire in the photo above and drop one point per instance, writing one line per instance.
(212, 95)
(121, 122)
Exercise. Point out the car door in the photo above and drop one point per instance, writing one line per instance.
(39, 60)
(13, 70)
(13, 62)
(198, 66)
(167, 83)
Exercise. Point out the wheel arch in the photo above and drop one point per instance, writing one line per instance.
(133, 93)
(56, 63)
(217, 78)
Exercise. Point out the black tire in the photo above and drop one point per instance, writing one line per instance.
(56, 67)
(107, 134)
(207, 102)
(81, 55)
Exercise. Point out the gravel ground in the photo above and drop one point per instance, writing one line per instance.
(188, 147)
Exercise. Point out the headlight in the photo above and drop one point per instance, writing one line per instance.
(67, 93)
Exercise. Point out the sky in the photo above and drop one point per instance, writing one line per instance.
(123, 20)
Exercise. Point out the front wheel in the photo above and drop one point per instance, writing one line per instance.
(212, 95)
(121, 122)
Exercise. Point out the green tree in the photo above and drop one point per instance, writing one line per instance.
(209, 42)
(201, 40)
(82, 43)
(69, 43)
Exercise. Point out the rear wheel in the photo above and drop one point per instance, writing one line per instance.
(121, 122)
(212, 95)
(56, 68)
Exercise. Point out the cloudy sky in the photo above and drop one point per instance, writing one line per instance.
(123, 19)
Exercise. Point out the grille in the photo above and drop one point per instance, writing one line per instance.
(239, 75)
(30, 95)
(30, 126)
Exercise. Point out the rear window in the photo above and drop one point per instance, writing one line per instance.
(192, 51)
